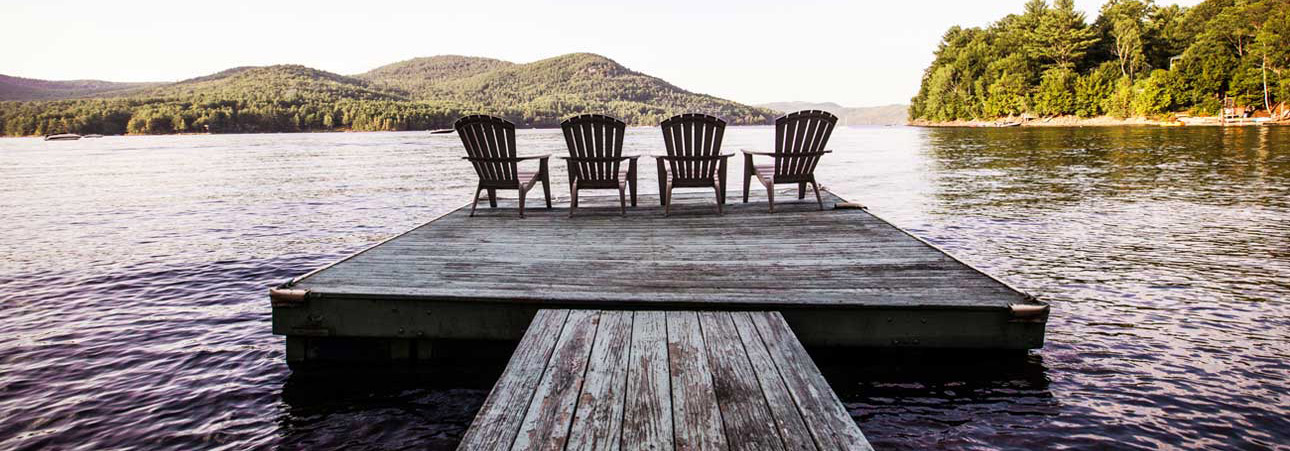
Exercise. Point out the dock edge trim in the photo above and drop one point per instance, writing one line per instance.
(287, 297)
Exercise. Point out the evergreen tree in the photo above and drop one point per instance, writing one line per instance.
(1061, 36)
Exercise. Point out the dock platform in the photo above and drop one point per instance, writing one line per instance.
(839, 277)
(620, 379)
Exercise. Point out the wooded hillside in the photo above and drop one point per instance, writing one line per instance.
(419, 94)
(1135, 59)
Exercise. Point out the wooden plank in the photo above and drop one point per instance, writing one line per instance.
(498, 421)
(695, 414)
(824, 415)
(550, 414)
(597, 424)
(788, 419)
(647, 414)
(745, 414)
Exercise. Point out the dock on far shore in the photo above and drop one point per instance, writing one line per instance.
(719, 307)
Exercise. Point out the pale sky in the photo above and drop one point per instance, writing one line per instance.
(850, 52)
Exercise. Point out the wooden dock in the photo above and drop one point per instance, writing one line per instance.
(617, 379)
(840, 276)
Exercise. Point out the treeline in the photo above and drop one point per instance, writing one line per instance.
(1136, 59)
(167, 116)
(293, 98)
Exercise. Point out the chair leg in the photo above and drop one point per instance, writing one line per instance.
(748, 174)
(770, 196)
(631, 181)
(622, 200)
(662, 183)
(818, 199)
(719, 208)
(476, 202)
(667, 201)
(721, 182)
(801, 190)
(523, 193)
(492, 198)
(573, 199)
(546, 188)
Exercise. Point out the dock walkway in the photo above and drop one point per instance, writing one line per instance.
(618, 379)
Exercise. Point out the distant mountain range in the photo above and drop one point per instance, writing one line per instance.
(875, 115)
(418, 94)
(17, 88)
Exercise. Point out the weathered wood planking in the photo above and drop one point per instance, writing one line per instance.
(749, 258)
(661, 380)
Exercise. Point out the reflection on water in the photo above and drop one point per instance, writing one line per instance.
(133, 275)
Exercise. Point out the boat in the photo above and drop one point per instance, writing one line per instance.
(1007, 124)
(441, 131)
(93, 135)
(63, 137)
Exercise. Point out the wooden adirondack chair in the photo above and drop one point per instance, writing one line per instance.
(595, 157)
(693, 157)
(799, 143)
(490, 148)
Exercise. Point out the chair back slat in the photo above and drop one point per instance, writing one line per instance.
(693, 135)
(490, 144)
(594, 136)
(800, 138)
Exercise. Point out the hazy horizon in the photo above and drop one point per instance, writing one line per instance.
(754, 52)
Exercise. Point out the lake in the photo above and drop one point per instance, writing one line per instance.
(134, 270)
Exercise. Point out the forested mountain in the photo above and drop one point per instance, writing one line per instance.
(421, 76)
(543, 92)
(16, 88)
(419, 94)
(873, 115)
(1135, 59)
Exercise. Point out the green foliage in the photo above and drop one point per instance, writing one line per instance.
(293, 98)
(1056, 94)
(1120, 103)
(1093, 88)
(1006, 96)
(1151, 95)
(1137, 59)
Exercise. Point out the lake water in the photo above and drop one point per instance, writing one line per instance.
(133, 277)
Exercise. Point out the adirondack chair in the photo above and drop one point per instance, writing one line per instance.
(490, 148)
(693, 157)
(595, 158)
(799, 143)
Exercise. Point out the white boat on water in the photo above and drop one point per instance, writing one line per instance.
(92, 135)
(63, 137)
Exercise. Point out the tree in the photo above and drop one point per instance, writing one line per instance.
(1056, 94)
(1151, 94)
(1124, 21)
(1061, 36)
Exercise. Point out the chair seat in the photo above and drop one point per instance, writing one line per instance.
(765, 171)
(527, 178)
(616, 182)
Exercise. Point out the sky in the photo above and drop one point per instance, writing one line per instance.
(855, 53)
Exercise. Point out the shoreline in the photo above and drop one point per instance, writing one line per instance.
(1057, 121)
(1100, 121)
